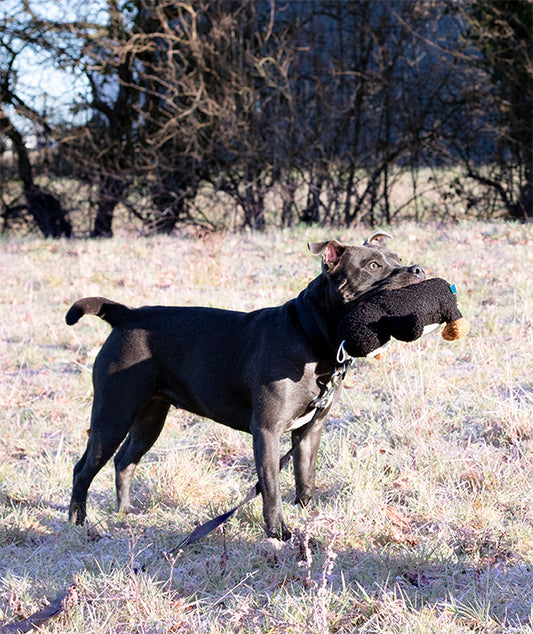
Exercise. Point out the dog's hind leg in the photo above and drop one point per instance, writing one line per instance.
(100, 448)
(111, 420)
(145, 430)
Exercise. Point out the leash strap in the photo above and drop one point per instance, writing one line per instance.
(212, 524)
(208, 527)
(323, 402)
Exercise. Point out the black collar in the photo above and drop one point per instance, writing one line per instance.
(314, 332)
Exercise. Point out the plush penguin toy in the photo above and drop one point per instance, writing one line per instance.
(405, 314)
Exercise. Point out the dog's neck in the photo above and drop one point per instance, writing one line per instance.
(318, 335)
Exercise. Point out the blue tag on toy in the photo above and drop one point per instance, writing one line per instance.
(453, 289)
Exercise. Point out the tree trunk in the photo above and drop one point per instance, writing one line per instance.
(523, 208)
(254, 211)
(311, 213)
(44, 207)
(111, 189)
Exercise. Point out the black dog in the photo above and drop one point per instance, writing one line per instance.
(258, 372)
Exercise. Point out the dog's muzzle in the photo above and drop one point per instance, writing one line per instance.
(418, 271)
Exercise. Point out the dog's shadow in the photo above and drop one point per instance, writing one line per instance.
(237, 560)
(365, 582)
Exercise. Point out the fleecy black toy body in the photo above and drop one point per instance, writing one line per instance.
(401, 313)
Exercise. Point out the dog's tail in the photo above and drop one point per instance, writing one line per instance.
(106, 309)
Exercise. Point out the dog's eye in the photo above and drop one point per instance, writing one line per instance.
(373, 266)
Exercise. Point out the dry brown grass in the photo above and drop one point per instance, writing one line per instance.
(423, 520)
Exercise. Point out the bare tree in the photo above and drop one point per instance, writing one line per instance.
(43, 206)
(502, 31)
(323, 101)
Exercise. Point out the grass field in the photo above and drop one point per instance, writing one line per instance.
(423, 520)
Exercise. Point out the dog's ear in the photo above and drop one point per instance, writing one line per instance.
(330, 251)
(378, 236)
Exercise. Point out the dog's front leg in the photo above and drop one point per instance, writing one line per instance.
(305, 460)
(266, 454)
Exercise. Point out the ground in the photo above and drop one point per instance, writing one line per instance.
(423, 520)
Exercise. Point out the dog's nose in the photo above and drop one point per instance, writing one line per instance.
(417, 270)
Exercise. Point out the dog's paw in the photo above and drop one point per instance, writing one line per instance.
(77, 514)
(283, 533)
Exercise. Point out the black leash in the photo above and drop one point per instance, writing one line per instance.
(321, 403)
(208, 527)
(41, 617)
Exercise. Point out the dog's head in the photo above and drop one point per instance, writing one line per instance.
(354, 271)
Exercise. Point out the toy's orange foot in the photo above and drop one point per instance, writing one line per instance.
(456, 329)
